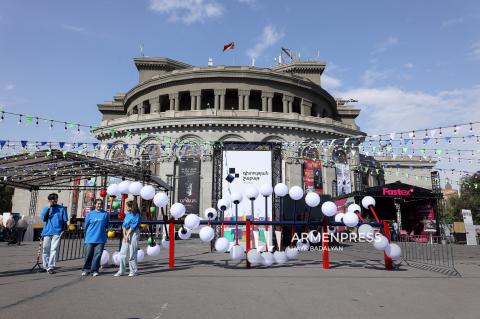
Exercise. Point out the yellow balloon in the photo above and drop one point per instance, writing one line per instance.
(111, 234)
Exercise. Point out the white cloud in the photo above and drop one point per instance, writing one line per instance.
(391, 109)
(385, 44)
(330, 82)
(451, 22)
(408, 65)
(371, 76)
(188, 11)
(269, 37)
(475, 53)
(9, 87)
(73, 28)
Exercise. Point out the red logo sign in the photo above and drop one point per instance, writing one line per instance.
(397, 192)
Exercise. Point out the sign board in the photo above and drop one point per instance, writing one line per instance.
(469, 227)
(249, 168)
(312, 176)
(189, 184)
(343, 179)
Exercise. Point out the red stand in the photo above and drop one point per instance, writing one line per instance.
(374, 214)
(388, 260)
(171, 257)
(360, 216)
(325, 242)
(247, 232)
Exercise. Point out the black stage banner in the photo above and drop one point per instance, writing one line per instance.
(189, 184)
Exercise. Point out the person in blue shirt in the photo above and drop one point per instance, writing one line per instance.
(55, 220)
(96, 223)
(131, 235)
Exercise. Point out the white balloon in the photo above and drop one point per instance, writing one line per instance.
(292, 252)
(236, 197)
(147, 192)
(280, 257)
(210, 213)
(350, 219)
(160, 200)
(354, 208)
(140, 255)
(329, 209)
(116, 258)
(222, 244)
(105, 258)
(112, 190)
(237, 253)
(261, 246)
(281, 189)
(380, 242)
(393, 251)
(267, 259)
(206, 234)
(184, 233)
(314, 236)
(251, 193)
(177, 210)
(223, 203)
(303, 245)
(365, 231)
(338, 217)
(368, 201)
(254, 257)
(266, 190)
(153, 250)
(312, 199)
(123, 187)
(165, 243)
(296, 193)
(192, 221)
(135, 188)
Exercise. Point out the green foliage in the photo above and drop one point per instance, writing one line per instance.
(469, 199)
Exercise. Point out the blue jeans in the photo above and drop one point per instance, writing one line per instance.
(93, 254)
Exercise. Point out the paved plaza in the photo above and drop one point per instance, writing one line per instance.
(208, 285)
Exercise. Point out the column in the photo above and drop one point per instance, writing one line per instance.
(220, 95)
(192, 102)
(140, 109)
(216, 102)
(287, 103)
(198, 99)
(306, 107)
(240, 101)
(267, 101)
(173, 98)
(245, 98)
(155, 105)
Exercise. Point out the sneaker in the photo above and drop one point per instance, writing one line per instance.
(51, 271)
(95, 274)
(84, 273)
(118, 274)
(132, 274)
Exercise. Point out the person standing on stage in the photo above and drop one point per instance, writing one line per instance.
(96, 223)
(55, 222)
(131, 235)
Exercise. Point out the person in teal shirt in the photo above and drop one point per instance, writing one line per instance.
(131, 235)
(55, 220)
(96, 223)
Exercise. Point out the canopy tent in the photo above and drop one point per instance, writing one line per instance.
(57, 169)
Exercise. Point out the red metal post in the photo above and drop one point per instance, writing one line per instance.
(171, 259)
(247, 243)
(360, 216)
(388, 260)
(325, 241)
(374, 214)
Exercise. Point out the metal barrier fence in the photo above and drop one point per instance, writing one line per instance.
(433, 253)
(71, 245)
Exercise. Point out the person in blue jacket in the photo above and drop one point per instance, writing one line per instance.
(55, 220)
(131, 235)
(96, 223)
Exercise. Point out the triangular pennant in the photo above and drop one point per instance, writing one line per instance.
(24, 143)
(61, 144)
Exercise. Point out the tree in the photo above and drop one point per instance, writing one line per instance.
(469, 199)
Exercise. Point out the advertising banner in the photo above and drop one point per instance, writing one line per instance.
(469, 227)
(344, 185)
(189, 184)
(247, 168)
(312, 176)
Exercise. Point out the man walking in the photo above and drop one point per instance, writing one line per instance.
(22, 226)
(55, 222)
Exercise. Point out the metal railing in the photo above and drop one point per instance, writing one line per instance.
(433, 253)
(71, 245)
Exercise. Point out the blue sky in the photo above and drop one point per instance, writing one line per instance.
(411, 64)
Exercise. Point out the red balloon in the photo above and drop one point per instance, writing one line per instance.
(90, 195)
(103, 193)
(121, 216)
